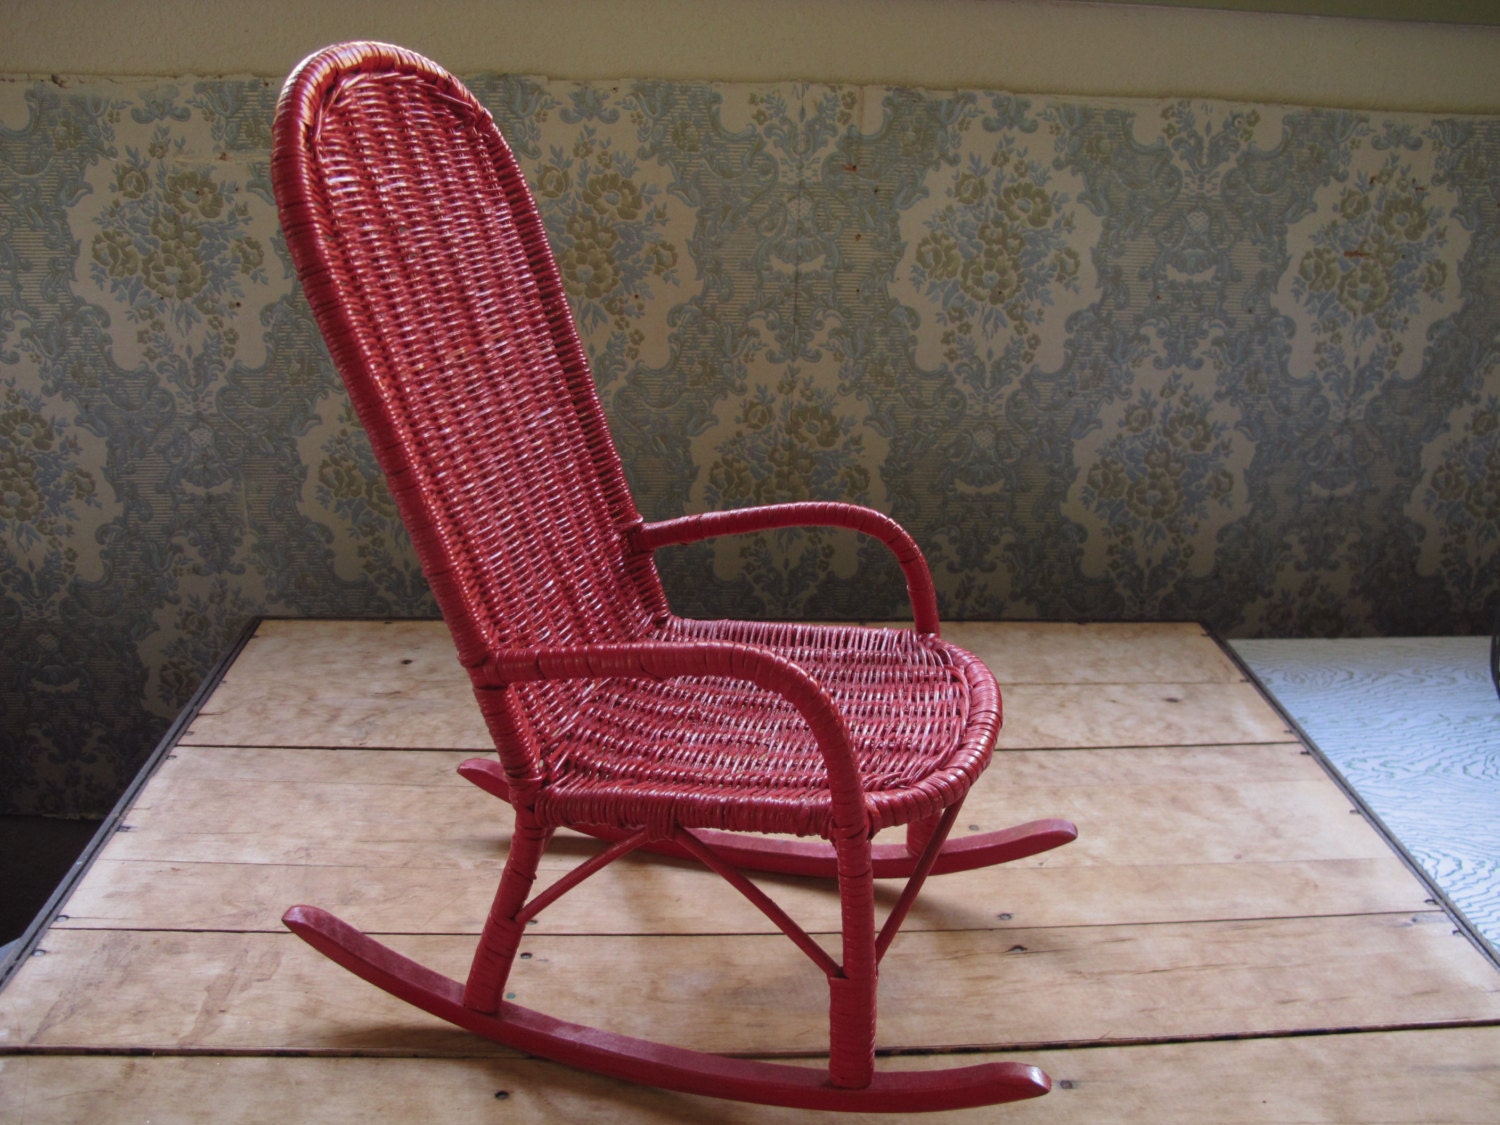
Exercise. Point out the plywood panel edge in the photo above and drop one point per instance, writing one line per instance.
(17, 952)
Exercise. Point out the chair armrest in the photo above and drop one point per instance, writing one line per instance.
(660, 660)
(691, 529)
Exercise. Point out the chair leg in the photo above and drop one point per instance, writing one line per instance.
(851, 1005)
(818, 860)
(850, 1084)
(501, 936)
(919, 832)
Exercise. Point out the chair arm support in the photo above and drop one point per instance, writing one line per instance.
(810, 513)
(661, 660)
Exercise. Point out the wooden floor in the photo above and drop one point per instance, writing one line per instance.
(1227, 941)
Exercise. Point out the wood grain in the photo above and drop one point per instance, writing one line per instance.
(1318, 1080)
(1032, 652)
(1224, 942)
(406, 808)
(344, 683)
(365, 684)
(940, 990)
(663, 896)
(1166, 714)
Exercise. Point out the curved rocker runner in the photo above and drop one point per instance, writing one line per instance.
(426, 264)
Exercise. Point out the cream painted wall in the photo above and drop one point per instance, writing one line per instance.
(1040, 46)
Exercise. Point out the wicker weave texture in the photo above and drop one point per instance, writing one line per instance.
(429, 271)
(432, 280)
(701, 748)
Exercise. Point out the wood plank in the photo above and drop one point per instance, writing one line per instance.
(1221, 889)
(415, 848)
(1077, 985)
(345, 823)
(1177, 766)
(435, 768)
(1209, 823)
(1042, 716)
(1056, 652)
(654, 896)
(344, 683)
(1437, 1075)
(1126, 765)
(371, 684)
(1091, 985)
(158, 990)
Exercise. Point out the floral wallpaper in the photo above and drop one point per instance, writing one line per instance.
(1178, 359)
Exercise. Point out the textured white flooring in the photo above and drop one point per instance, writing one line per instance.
(1413, 725)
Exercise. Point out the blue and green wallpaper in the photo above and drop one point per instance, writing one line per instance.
(1127, 359)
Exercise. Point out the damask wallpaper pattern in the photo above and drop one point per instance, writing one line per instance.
(1235, 363)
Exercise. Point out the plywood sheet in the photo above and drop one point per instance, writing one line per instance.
(1226, 942)
(1077, 985)
(372, 684)
(658, 896)
(1285, 760)
(308, 819)
(1439, 1075)
(344, 683)
(229, 837)
(1053, 652)
(164, 991)
(1166, 714)
(758, 995)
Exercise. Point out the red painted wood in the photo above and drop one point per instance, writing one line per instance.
(707, 525)
(656, 1064)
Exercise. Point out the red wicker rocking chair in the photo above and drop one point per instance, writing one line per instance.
(422, 254)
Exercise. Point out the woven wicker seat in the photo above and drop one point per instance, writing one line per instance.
(427, 267)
